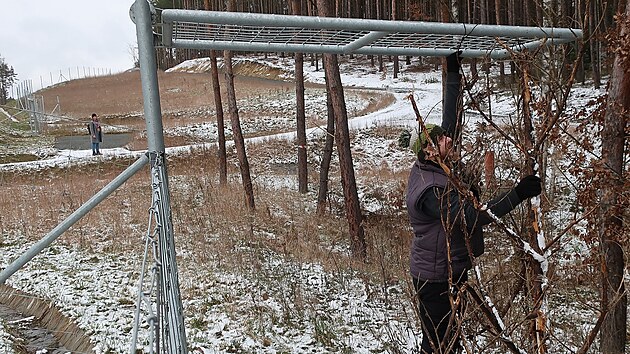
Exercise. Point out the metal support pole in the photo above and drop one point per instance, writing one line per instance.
(171, 333)
(73, 218)
(141, 13)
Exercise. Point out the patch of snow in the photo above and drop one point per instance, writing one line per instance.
(6, 340)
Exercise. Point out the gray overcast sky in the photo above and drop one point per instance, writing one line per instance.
(40, 37)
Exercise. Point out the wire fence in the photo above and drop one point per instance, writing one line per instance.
(57, 77)
(26, 99)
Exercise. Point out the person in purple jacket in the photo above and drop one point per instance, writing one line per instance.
(442, 218)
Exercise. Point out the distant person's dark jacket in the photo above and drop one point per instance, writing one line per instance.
(96, 133)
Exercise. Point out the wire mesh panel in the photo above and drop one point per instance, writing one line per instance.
(263, 32)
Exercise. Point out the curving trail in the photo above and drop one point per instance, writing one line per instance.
(180, 92)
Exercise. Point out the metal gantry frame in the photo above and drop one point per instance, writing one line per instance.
(193, 29)
(307, 34)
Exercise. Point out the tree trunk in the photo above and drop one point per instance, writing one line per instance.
(483, 12)
(342, 137)
(379, 16)
(579, 16)
(612, 233)
(511, 20)
(497, 10)
(300, 114)
(444, 14)
(327, 155)
(593, 24)
(220, 121)
(369, 9)
(474, 17)
(237, 134)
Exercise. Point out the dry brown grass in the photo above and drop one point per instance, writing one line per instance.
(213, 227)
(120, 96)
(202, 210)
(34, 203)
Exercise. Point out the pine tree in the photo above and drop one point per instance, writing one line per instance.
(7, 79)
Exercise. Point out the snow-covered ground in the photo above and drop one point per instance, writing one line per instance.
(99, 291)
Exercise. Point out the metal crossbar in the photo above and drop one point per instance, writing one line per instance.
(237, 31)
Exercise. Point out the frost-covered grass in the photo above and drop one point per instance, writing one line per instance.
(283, 280)
(6, 340)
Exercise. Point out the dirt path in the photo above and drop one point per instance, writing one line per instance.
(266, 107)
(79, 142)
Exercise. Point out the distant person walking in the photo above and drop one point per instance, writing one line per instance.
(96, 134)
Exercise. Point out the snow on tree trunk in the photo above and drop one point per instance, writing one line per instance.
(536, 274)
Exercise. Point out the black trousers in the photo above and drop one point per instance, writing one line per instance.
(435, 311)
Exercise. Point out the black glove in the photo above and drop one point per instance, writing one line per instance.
(475, 191)
(453, 61)
(528, 187)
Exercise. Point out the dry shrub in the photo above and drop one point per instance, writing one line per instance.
(47, 197)
(215, 219)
